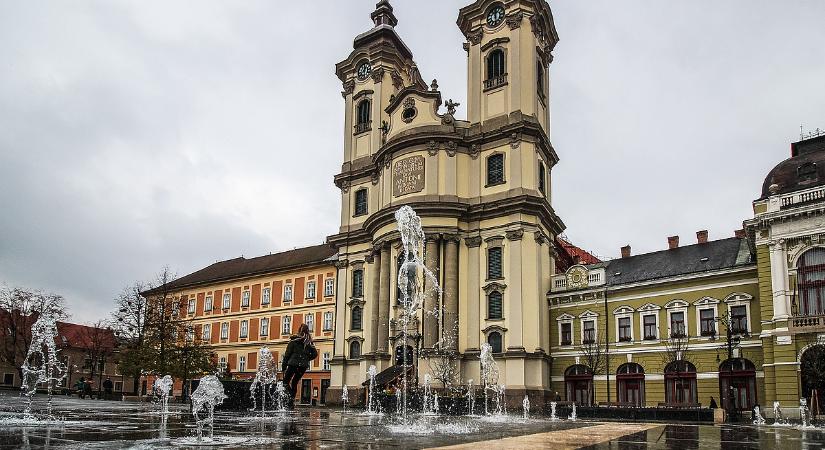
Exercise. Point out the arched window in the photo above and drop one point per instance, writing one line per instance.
(358, 283)
(578, 382)
(494, 305)
(737, 384)
(811, 282)
(355, 349)
(495, 169)
(495, 64)
(630, 384)
(356, 319)
(494, 339)
(680, 383)
(812, 366)
(362, 116)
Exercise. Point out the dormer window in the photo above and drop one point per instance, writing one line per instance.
(807, 172)
(362, 117)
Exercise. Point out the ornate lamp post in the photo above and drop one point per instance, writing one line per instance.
(733, 340)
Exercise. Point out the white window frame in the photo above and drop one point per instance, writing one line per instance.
(676, 306)
(329, 287)
(190, 334)
(222, 363)
(227, 300)
(328, 321)
(264, 326)
(649, 309)
(706, 303)
(584, 317)
(206, 332)
(624, 312)
(208, 303)
(326, 361)
(286, 325)
(309, 320)
(266, 296)
(241, 363)
(310, 289)
(191, 307)
(225, 330)
(563, 319)
(244, 330)
(246, 297)
(741, 299)
(288, 292)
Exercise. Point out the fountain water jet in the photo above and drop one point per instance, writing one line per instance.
(372, 404)
(573, 417)
(471, 397)
(553, 415)
(208, 395)
(281, 396)
(42, 364)
(804, 413)
(344, 397)
(525, 404)
(265, 376)
(778, 418)
(757, 416)
(489, 375)
(162, 388)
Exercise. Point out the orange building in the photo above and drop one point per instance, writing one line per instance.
(241, 305)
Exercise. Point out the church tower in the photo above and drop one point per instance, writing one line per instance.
(480, 186)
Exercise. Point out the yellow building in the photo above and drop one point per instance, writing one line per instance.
(241, 305)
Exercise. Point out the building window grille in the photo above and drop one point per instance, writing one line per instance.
(360, 202)
(624, 329)
(494, 263)
(649, 323)
(495, 169)
(589, 329)
(266, 296)
(707, 321)
(567, 333)
(496, 69)
(329, 287)
(494, 339)
(494, 305)
(357, 317)
(358, 283)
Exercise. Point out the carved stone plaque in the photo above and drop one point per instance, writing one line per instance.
(408, 176)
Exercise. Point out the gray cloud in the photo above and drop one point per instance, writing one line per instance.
(139, 134)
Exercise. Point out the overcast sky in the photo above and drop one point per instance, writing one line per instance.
(140, 134)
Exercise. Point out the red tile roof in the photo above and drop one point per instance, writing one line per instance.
(569, 255)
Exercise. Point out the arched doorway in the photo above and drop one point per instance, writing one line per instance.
(812, 367)
(737, 384)
(578, 382)
(680, 384)
(630, 384)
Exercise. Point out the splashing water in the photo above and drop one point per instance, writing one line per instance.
(489, 376)
(162, 388)
(208, 395)
(573, 416)
(428, 395)
(265, 376)
(804, 413)
(525, 404)
(42, 365)
(344, 397)
(372, 402)
(778, 418)
(281, 398)
(398, 401)
(553, 415)
(471, 397)
(757, 416)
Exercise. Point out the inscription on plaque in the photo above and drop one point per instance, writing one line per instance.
(408, 176)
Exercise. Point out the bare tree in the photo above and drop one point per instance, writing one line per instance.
(130, 325)
(443, 359)
(19, 309)
(98, 344)
(677, 348)
(593, 354)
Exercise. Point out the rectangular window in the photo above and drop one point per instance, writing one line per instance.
(8, 379)
(624, 329)
(264, 327)
(495, 169)
(540, 77)
(329, 287)
(222, 364)
(358, 283)
(191, 308)
(541, 178)
(206, 332)
(207, 304)
(326, 360)
(649, 323)
(567, 333)
(309, 319)
(360, 202)
(677, 324)
(739, 319)
(118, 386)
(328, 321)
(225, 330)
(589, 328)
(287, 292)
(244, 329)
(227, 300)
(494, 263)
(287, 325)
(242, 364)
(190, 334)
(245, 299)
(707, 322)
(266, 296)
(310, 289)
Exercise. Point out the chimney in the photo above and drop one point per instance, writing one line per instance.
(740, 234)
(702, 237)
(626, 251)
(673, 242)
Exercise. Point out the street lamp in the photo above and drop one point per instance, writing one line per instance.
(733, 340)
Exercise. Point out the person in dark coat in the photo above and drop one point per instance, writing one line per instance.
(713, 403)
(81, 387)
(107, 388)
(300, 351)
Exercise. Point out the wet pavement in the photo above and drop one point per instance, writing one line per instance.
(95, 424)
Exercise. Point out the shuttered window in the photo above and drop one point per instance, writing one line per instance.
(494, 263)
(495, 169)
(494, 305)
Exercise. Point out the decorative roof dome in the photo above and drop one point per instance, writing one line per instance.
(803, 170)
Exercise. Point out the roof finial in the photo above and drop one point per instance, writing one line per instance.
(383, 14)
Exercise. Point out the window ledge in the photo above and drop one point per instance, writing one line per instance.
(497, 183)
(500, 319)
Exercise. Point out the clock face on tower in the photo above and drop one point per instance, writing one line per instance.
(364, 70)
(495, 16)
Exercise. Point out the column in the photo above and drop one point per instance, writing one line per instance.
(473, 285)
(451, 291)
(384, 300)
(340, 308)
(779, 276)
(515, 316)
(431, 262)
(374, 293)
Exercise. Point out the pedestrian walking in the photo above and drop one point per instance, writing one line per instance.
(300, 351)
(107, 388)
(80, 387)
